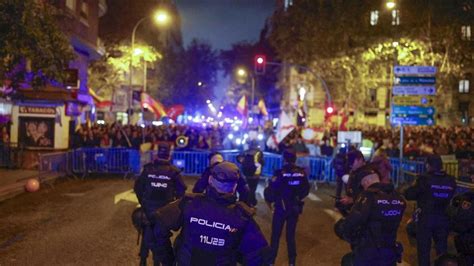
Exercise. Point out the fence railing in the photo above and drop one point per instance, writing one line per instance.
(52, 165)
(10, 155)
(130, 162)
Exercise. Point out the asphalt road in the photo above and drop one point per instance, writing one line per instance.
(76, 222)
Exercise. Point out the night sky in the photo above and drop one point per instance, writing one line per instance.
(222, 23)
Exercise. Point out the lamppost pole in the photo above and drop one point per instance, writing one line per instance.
(132, 45)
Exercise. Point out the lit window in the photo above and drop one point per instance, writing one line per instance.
(374, 17)
(464, 86)
(466, 33)
(395, 17)
(71, 4)
(84, 10)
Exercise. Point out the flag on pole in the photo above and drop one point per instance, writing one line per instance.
(175, 110)
(285, 126)
(242, 106)
(153, 105)
(262, 107)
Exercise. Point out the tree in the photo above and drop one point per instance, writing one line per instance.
(336, 39)
(197, 76)
(32, 47)
(110, 71)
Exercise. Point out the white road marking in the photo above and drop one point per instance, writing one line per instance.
(335, 215)
(313, 197)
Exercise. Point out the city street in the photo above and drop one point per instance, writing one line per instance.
(75, 222)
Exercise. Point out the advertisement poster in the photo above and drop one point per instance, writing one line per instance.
(36, 132)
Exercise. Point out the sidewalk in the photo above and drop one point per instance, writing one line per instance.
(12, 182)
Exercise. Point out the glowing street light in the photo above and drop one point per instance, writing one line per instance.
(161, 17)
(391, 4)
(137, 51)
(241, 72)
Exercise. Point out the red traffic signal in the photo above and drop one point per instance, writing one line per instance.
(260, 64)
(329, 110)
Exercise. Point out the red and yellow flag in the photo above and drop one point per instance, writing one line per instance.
(153, 105)
(262, 107)
(242, 106)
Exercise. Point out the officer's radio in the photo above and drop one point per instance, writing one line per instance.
(182, 141)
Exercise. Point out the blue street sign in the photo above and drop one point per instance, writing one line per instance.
(412, 110)
(414, 90)
(415, 80)
(413, 120)
(414, 70)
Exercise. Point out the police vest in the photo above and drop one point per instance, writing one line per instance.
(211, 232)
(386, 213)
(160, 183)
(439, 189)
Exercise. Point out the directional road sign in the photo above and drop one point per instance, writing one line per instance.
(414, 90)
(414, 120)
(415, 80)
(412, 110)
(413, 100)
(415, 70)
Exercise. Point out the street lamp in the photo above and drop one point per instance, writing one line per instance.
(243, 73)
(390, 4)
(161, 17)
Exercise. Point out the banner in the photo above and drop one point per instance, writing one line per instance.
(120, 100)
(174, 111)
(36, 132)
(153, 105)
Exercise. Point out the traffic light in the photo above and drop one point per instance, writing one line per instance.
(329, 110)
(260, 63)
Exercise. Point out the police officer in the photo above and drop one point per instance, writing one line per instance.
(159, 184)
(286, 191)
(215, 228)
(462, 219)
(201, 185)
(371, 225)
(433, 192)
(358, 166)
(252, 163)
(340, 168)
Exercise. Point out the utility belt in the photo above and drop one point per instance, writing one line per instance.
(465, 243)
(366, 243)
(293, 207)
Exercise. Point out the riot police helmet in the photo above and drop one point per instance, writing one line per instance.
(215, 158)
(434, 163)
(224, 177)
(289, 156)
(164, 151)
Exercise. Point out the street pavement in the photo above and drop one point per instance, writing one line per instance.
(87, 222)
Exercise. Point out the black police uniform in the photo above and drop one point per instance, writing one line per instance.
(202, 183)
(433, 193)
(462, 220)
(159, 184)
(251, 172)
(215, 229)
(340, 168)
(372, 224)
(287, 190)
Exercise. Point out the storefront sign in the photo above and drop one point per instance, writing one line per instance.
(37, 110)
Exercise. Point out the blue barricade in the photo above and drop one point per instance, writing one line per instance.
(112, 161)
(271, 162)
(412, 168)
(191, 162)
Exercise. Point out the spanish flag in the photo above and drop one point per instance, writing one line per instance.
(262, 107)
(153, 105)
(242, 106)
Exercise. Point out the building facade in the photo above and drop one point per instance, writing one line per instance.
(407, 33)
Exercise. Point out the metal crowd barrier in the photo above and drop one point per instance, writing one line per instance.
(10, 155)
(53, 165)
(107, 161)
(127, 161)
